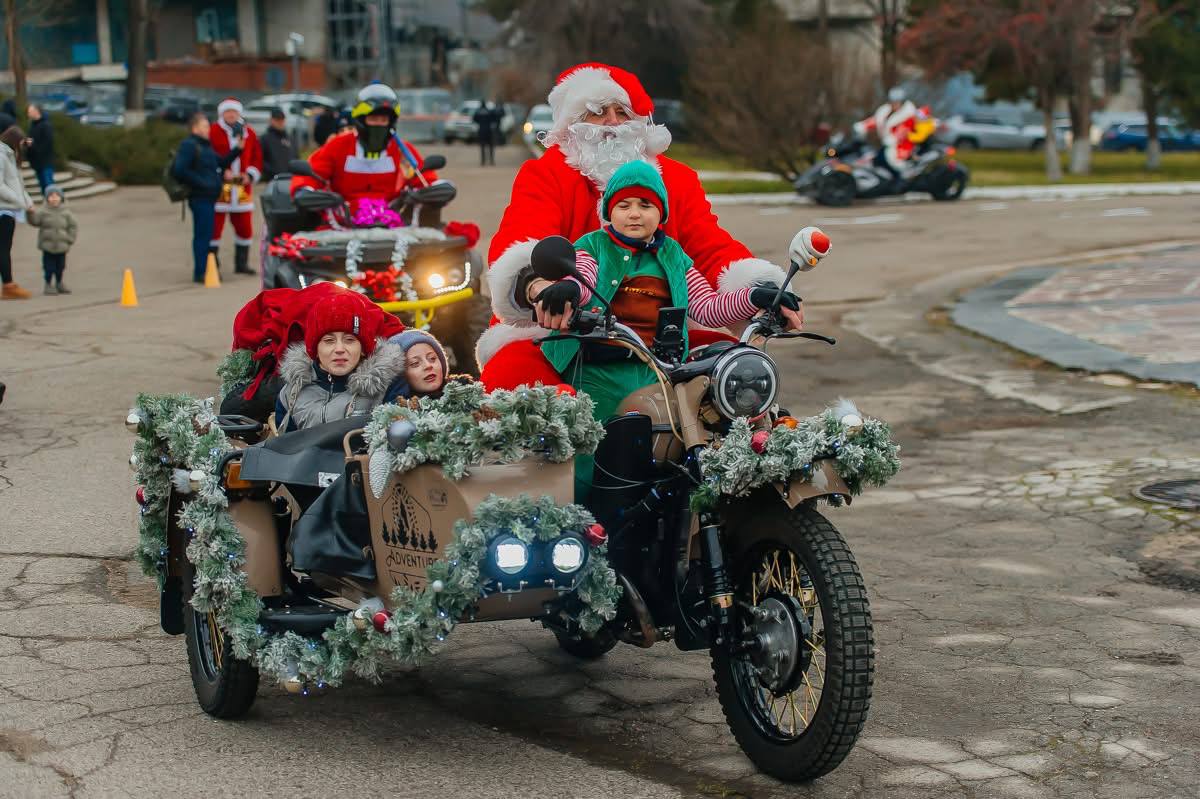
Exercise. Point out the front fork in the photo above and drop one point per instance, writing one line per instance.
(718, 589)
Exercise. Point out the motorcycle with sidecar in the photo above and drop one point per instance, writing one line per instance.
(849, 171)
(762, 581)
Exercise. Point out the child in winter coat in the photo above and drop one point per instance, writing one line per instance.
(341, 368)
(56, 234)
(639, 269)
(425, 367)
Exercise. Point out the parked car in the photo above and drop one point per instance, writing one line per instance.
(61, 104)
(177, 109)
(1037, 134)
(539, 121)
(986, 130)
(1128, 137)
(671, 114)
(258, 116)
(460, 125)
(105, 113)
(423, 114)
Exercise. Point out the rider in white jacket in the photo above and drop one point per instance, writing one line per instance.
(892, 121)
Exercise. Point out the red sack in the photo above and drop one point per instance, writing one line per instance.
(274, 319)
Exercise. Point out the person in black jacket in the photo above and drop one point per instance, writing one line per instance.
(487, 120)
(198, 167)
(325, 125)
(41, 149)
(276, 146)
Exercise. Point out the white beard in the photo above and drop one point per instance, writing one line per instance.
(597, 151)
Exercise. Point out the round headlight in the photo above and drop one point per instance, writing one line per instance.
(436, 281)
(567, 555)
(745, 382)
(510, 554)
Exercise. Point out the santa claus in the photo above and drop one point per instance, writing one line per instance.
(602, 118)
(236, 198)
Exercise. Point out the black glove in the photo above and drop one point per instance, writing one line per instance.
(554, 298)
(764, 296)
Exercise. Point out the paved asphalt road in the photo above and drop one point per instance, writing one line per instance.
(1038, 628)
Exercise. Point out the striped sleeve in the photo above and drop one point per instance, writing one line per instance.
(713, 309)
(587, 267)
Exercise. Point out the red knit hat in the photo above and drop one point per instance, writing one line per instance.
(344, 312)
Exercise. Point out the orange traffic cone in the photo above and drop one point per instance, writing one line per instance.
(212, 280)
(128, 292)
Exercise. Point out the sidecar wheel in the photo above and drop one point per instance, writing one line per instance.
(796, 702)
(587, 647)
(225, 685)
(836, 190)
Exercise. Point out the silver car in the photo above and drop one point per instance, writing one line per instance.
(987, 130)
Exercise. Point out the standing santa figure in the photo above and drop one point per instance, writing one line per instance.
(602, 118)
(236, 198)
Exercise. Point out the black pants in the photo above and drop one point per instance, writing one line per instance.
(7, 226)
(53, 266)
(487, 151)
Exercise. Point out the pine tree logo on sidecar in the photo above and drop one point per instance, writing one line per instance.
(408, 534)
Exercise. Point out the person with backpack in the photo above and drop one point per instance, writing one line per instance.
(200, 173)
(41, 147)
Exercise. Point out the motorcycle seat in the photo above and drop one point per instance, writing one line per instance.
(310, 457)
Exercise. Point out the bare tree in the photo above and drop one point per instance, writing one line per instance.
(135, 81)
(746, 100)
(890, 16)
(16, 59)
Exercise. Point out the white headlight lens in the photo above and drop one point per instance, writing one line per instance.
(744, 383)
(511, 555)
(436, 280)
(567, 555)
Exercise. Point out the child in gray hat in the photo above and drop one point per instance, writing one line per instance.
(56, 234)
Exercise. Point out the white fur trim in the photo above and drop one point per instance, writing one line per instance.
(496, 337)
(569, 99)
(229, 104)
(502, 279)
(658, 139)
(749, 272)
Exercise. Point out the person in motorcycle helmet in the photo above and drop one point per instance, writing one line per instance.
(368, 160)
(893, 121)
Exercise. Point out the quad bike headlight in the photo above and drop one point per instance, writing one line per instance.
(567, 555)
(510, 554)
(745, 382)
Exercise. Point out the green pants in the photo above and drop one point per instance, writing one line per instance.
(608, 385)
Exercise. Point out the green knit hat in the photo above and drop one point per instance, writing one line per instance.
(634, 175)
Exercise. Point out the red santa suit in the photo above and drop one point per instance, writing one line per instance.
(893, 128)
(551, 197)
(345, 168)
(236, 198)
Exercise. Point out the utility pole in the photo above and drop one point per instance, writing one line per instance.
(135, 79)
(294, 43)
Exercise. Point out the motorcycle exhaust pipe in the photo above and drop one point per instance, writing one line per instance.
(649, 633)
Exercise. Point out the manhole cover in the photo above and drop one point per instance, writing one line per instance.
(1183, 494)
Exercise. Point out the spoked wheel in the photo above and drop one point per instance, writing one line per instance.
(225, 685)
(796, 686)
(837, 189)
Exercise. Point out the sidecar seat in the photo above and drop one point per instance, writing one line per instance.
(310, 457)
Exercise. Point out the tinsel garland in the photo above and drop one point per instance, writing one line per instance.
(731, 467)
(372, 212)
(179, 431)
(236, 367)
(466, 425)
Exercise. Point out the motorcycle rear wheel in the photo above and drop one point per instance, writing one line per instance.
(796, 715)
(225, 685)
(951, 188)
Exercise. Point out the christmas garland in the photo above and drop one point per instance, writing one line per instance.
(746, 459)
(181, 430)
(466, 425)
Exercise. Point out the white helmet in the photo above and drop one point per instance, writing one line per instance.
(896, 95)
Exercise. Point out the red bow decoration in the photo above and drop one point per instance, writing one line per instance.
(468, 230)
(380, 283)
(288, 246)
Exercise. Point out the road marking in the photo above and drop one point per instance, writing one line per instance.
(1136, 211)
(993, 206)
(877, 219)
(774, 211)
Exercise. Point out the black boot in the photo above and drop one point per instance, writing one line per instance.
(241, 260)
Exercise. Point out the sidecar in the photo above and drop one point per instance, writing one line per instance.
(370, 545)
(442, 284)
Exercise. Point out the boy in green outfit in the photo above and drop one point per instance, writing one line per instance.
(639, 269)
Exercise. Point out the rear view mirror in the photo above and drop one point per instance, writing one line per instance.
(434, 162)
(553, 258)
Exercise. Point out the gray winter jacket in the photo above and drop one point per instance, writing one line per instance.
(57, 227)
(13, 196)
(306, 401)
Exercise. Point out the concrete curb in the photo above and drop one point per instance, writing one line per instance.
(1074, 192)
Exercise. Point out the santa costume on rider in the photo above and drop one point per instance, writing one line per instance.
(894, 122)
(236, 198)
(559, 194)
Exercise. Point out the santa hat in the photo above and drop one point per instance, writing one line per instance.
(229, 104)
(596, 85)
(344, 312)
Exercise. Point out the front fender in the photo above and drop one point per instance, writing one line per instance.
(823, 481)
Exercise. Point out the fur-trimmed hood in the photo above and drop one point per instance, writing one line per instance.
(372, 377)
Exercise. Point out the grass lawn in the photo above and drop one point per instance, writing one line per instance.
(988, 168)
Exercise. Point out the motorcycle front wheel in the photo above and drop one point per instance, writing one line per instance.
(795, 685)
(225, 685)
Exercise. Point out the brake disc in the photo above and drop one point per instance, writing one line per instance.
(780, 629)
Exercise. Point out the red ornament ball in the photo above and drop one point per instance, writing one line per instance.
(595, 534)
(140, 495)
(758, 441)
(380, 620)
